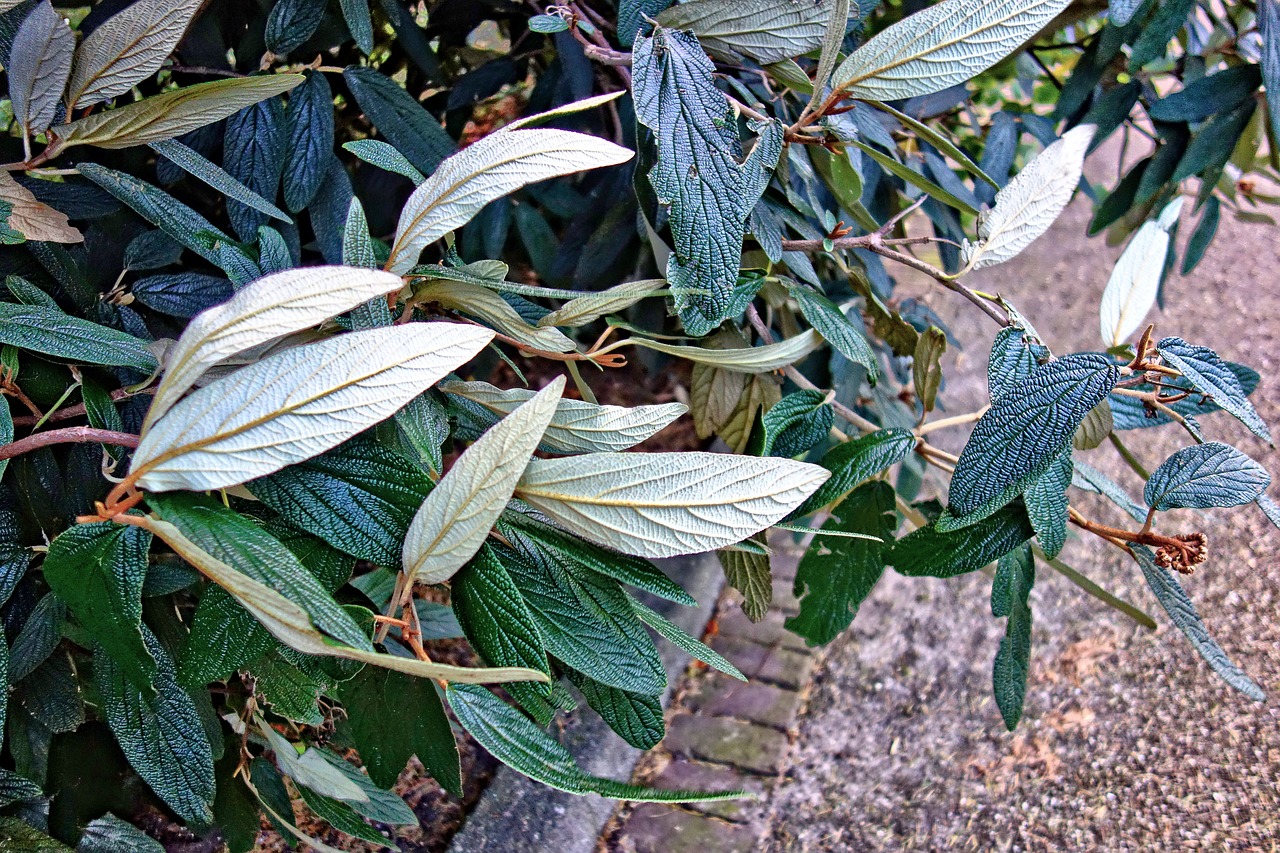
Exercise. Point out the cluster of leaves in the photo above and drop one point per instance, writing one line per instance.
(289, 483)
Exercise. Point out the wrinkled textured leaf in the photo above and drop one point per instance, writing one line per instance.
(945, 44)
(181, 294)
(310, 140)
(1210, 375)
(1024, 431)
(681, 639)
(635, 717)
(359, 23)
(1046, 500)
(173, 113)
(194, 163)
(1205, 476)
(577, 426)
(834, 326)
(1031, 202)
(50, 331)
(456, 517)
(38, 66)
(1175, 601)
(291, 23)
(98, 570)
(1135, 281)
(763, 30)
(797, 423)
(854, 461)
(698, 174)
(748, 572)
(495, 617)
(161, 735)
(665, 504)
(762, 359)
(1015, 575)
(110, 834)
(127, 48)
(934, 553)
(413, 131)
(296, 404)
(1130, 413)
(837, 574)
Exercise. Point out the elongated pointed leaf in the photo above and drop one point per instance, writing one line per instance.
(1135, 282)
(681, 639)
(268, 308)
(515, 741)
(914, 178)
(744, 360)
(1015, 574)
(215, 176)
(1024, 431)
(835, 327)
(577, 426)
(763, 30)
(494, 167)
(1210, 375)
(946, 44)
(665, 504)
(930, 552)
(30, 218)
(50, 331)
(587, 309)
(1031, 202)
(290, 624)
(494, 311)
(297, 404)
(457, 516)
(159, 208)
(1204, 476)
(38, 66)
(173, 113)
(854, 461)
(1175, 601)
(415, 133)
(127, 48)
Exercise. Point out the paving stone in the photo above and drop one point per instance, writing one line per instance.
(697, 776)
(767, 631)
(783, 597)
(658, 828)
(775, 664)
(749, 746)
(783, 566)
(718, 695)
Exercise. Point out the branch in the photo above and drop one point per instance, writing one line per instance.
(70, 435)
(78, 409)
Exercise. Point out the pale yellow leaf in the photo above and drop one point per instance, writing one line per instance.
(591, 307)
(127, 48)
(492, 310)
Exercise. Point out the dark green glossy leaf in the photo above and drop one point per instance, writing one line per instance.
(915, 179)
(195, 164)
(1015, 575)
(1224, 90)
(309, 127)
(255, 149)
(161, 735)
(934, 553)
(698, 174)
(359, 23)
(636, 717)
(287, 690)
(38, 638)
(1024, 431)
(183, 294)
(291, 23)
(825, 316)
(401, 119)
(1159, 31)
(837, 574)
(52, 332)
(15, 788)
(1210, 375)
(1202, 237)
(681, 639)
(1173, 598)
(1204, 476)
(854, 461)
(797, 423)
(1046, 500)
(1212, 144)
(98, 570)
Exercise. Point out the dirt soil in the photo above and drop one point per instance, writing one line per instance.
(1128, 739)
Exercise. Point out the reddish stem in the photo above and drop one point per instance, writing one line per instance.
(70, 435)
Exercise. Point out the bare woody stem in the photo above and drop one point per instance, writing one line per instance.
(79, 409)
(70, 435)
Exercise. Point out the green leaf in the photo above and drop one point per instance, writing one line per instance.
(1159, 31)
(1269, 26)
(194, 163)
(1091, 480)
(636, 717)
(837, 574)
(834, 326)
(377, 805)
(224, 638)
(127, 48)
(110, 834)
(38, 65)
(172, 113)
(548, 24)
(411, 129)
(1135, 281)
(1173, 598)
(290, 692)
(160, 209)
(38, 638)
(16, 834)
(1202, 237)
(764, 359)
(310, 140)
(359, 23)
(161, 735)
(584, 310)
(926, 366)
(941, 142)
(386, 741)
(340, 816)
(681, 639)
(52, 332)
(797, 423)
(98, 570)
(749, 573)
(494, 616)
(358, 497)
(945, 44)
(763, 30)
(914, 178)
(698, 174)
(1095, 427)
(1199, 99)
(291, 23)
(16, 789)
(1015, 575)
(1015, 355)
(666, 504)
(1211, 376)
(1024, 431)
(494, 167)
(515, 741)
(584, 619)
(378, 153)
(1204, 476)
(1046, 499)
(854, 461)
(943, 554)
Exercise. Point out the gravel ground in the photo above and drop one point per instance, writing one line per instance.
(1128, 739)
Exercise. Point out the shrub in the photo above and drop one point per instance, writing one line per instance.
(251, 477)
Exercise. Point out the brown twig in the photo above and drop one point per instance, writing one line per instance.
(70, 435)
(79, 409)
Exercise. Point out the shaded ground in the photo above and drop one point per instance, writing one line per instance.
(1128, 739)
